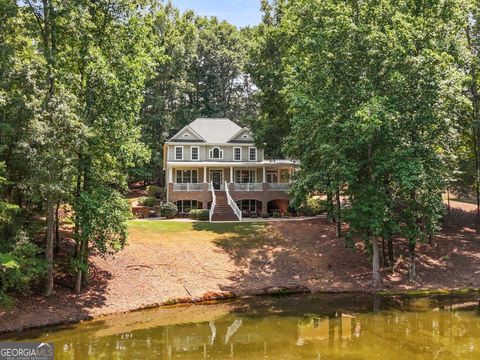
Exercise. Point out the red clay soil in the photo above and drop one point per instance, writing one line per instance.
(297, 254)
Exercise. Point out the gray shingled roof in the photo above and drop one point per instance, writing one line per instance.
(215, 130)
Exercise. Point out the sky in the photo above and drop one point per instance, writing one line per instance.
(237, 12)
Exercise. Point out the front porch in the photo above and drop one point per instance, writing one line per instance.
(255, 190)
(194, 179)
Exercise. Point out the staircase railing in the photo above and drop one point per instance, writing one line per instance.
(214, 201)
(232, 203)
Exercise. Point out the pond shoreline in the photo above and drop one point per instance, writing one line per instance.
(167, 263)
(210, 298)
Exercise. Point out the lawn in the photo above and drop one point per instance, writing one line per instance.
(165, 231)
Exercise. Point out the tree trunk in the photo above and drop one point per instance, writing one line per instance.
(330, 215)
(338, 209)
(377, 277)
(49, 247)
(412, 271)
(391, 258)
(384, 253)
(448, 200)
(79, 274)
(57, 228)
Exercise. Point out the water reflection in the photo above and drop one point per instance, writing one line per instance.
(307, 327)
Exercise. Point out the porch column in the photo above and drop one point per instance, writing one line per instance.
(231, 174)
(290, 173)
(264, 174)
(170, 175)
(205, 174)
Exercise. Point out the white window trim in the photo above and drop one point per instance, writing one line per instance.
(198, 153)
(175, 152)
(237, 147)
(210, 153)
(256, 155)
(187, 168)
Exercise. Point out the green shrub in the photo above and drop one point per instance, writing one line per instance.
(154, 191)
(169, 210)
(254, 216)
(150, 201)
(19, 267)
(313, 206)
(199, 214)
(147, 201)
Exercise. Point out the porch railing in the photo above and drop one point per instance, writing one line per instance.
(232, 203)
(210, 186)
(278, 186)
(214, 202)
(188, 187)
(248, 186)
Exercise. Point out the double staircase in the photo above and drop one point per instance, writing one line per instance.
(223, 206)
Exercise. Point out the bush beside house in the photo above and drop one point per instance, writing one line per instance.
(199, 214)
(169, 210)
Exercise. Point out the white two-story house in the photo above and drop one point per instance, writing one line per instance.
(214, 164)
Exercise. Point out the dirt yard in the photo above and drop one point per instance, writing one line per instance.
(166, 261)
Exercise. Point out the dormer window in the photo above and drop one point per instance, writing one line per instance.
(215, 153)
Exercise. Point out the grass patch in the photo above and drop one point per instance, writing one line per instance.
(161, 230)
(429, 292)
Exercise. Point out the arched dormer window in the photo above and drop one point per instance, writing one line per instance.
(216, 153)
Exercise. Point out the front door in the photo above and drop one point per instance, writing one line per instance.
(216, 177)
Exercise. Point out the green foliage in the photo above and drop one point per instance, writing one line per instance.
(19, 267)
(313, 206)
(169, 210)
(154, 191)
(199, 214)
(147, 201)
(102, 214)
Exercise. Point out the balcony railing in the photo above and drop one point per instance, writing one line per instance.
(188, 187)
(221, 186)
(248, 187)
(278, 186)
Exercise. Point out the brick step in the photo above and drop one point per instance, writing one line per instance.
(224, 217)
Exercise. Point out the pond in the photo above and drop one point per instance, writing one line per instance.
(344, 326)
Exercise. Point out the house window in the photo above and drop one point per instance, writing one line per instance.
(272, 177)
(247, 205)
(216, 153)
(186, 135)
(245, 136)
(244, 176)
(178, 152)
(184, 206)
(252, 154)
(237, 154)
(194, 152)
(187, 176)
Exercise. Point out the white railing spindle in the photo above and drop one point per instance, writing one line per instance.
(232, 203)
(214, 202)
